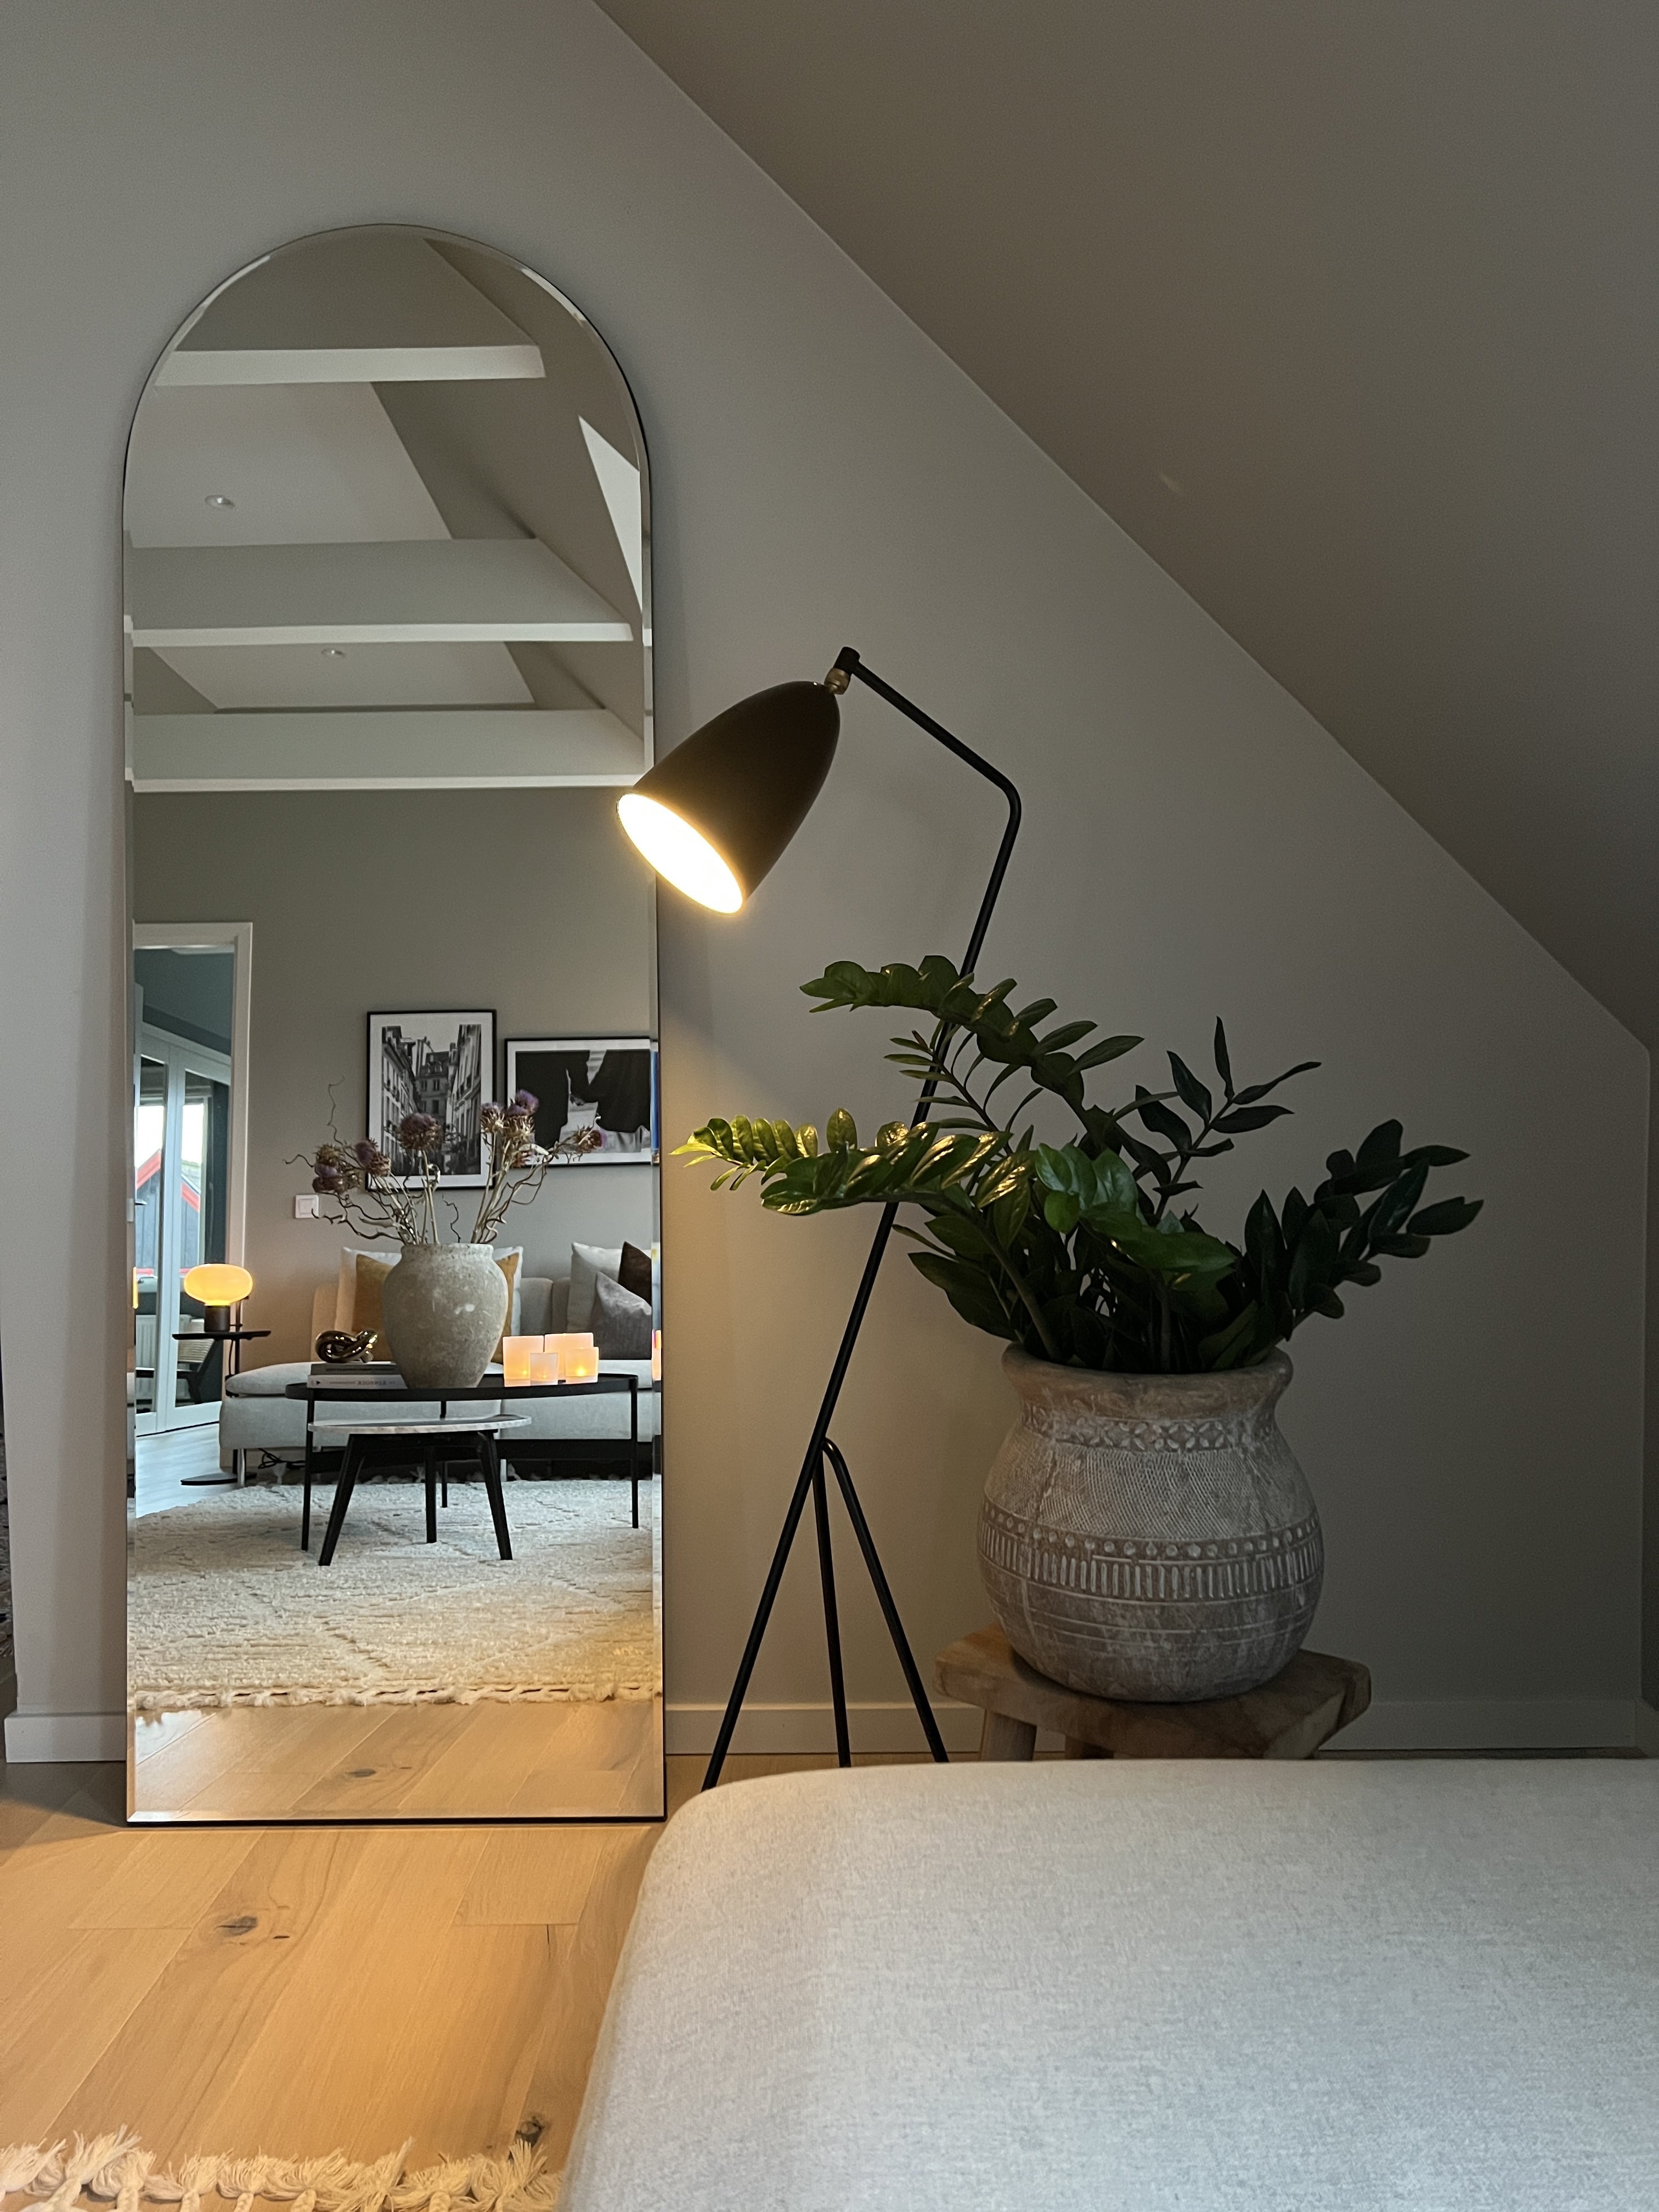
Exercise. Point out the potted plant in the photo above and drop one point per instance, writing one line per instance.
(444, 1305)
(1147, 1531)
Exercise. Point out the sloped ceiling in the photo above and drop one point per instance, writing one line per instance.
(1349, 315)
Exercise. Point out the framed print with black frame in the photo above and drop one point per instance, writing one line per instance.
(438, 1063)
(607, 1084)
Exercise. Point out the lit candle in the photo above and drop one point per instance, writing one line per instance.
(656, 1355)
(518, 1358)
(579, 1359)
(544, 1360)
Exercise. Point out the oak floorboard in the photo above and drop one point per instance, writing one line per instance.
(60, 2018)
(300, 1989)
(234, 1971)
(248, 1762)
(532, 1759)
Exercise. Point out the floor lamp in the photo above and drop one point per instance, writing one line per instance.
(712, 817)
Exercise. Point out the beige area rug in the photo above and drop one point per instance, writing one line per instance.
(116, 2169)
(225, 1609)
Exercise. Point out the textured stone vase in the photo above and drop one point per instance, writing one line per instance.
(442, 1310)
(1149, 1536)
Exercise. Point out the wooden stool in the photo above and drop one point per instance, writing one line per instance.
(1289, 1717)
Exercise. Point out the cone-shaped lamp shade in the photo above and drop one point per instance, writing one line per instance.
(714, 815)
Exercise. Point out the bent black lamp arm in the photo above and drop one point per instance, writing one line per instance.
(821, 1447)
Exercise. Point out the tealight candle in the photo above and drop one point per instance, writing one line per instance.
(564, 1347)
(544, 1360)
(579, 1359)
(518, 1356)
(656, 1355)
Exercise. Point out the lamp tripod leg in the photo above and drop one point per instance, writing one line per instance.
(890, 1611)
(831, 1625)
(762, 1615)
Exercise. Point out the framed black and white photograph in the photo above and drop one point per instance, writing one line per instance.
(607, 1084)
(440, 1064)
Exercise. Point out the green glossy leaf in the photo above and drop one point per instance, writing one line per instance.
(969, 1290)
(1223, 1066)
(1446, 1218)
(1380, 1148)
(1112, 1048)
(1162, 1121)
(1193, 1095)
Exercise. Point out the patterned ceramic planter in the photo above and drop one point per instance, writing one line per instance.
(1151, 1536)
(442, 1310)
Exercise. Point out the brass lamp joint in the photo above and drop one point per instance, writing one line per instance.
(841, 674)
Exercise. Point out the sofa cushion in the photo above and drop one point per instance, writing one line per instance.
(267, 1381)
(622, 1321)
(634, 1273)
(1143, 1984)
(588, 1262)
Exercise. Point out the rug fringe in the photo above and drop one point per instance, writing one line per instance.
(117, 2168)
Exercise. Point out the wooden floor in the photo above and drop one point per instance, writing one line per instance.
(300, 1989)
(594, 1761)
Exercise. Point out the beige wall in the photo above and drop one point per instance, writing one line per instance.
(1194, 843)
(530, 901)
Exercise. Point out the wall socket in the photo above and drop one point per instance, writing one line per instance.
(306, 1205)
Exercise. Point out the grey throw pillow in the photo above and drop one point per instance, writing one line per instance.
(622, 1322)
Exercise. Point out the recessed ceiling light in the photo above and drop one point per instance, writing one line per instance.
(334, 652)
(219, 499)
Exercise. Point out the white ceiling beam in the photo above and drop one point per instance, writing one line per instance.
(372, 309)
(441, 590)
(430, 750)
(355, 365)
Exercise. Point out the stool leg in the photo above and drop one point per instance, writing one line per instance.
(1005, 1739)
(345, 1483)
(492, 1475)
(431, 1470)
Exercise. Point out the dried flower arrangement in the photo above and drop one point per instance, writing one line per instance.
(370, 1199)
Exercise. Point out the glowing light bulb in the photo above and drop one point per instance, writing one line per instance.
(677, 851)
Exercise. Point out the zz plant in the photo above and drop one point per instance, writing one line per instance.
(1082, 1252)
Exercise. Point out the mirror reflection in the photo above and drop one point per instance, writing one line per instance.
(395, 1358)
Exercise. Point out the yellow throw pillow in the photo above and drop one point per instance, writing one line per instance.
(508, 1264)
(371, 1273)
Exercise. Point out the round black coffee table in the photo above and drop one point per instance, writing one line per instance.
(381, 1384)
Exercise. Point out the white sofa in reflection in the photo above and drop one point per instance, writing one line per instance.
(256, 1416)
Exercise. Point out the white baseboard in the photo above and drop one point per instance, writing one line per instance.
(780, 1730)
(1493, 1724)
(1647, 1728)
(37, 1738)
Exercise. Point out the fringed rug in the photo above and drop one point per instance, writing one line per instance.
(116, 2169)
(225, 1609)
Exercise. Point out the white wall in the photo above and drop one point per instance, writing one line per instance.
(1195, 843)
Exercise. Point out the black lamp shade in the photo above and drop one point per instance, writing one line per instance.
(743, 784)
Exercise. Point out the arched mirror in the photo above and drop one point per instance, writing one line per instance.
(395, 1363)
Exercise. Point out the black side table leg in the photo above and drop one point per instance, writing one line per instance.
(305, 1510)
(431, 1472)
(345, 1483)
(492, 1475)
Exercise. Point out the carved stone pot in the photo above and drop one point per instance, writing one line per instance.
(1151, 1536)
(442, 1310)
